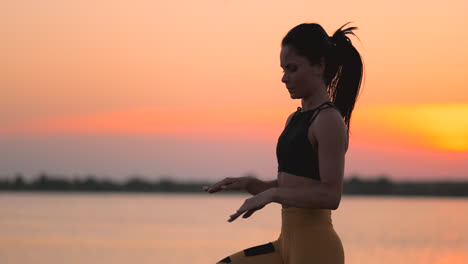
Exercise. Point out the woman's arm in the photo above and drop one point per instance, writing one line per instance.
(257, 186)
(330, 131)
(318, 196)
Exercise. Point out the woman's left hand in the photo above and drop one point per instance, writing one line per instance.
(253, 204)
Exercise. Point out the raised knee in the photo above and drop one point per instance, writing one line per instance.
(249, 252)
(261, 249)
(225, 260)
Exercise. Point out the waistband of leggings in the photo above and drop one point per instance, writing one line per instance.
(300, 210)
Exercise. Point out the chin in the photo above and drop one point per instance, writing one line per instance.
(294, 96)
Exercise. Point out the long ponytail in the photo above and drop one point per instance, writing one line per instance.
(343, 73)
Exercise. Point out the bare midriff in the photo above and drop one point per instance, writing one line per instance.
(293, 181)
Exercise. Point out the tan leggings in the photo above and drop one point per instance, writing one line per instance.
(307, 237)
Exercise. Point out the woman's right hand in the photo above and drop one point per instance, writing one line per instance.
(229, 183)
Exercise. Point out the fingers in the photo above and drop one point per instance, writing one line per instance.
(219, 185)
(249, 213)
(239, 213)
(213, 188)
(234, 216)
(242, 210)
(236, 185)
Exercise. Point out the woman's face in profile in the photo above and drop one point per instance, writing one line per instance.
(299, 76)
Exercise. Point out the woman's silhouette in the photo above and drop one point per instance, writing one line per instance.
(325, 73)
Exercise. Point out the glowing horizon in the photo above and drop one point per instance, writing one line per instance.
(428, 126)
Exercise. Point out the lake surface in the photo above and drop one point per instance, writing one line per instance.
(57, 228)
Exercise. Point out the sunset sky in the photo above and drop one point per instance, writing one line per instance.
(192, 89)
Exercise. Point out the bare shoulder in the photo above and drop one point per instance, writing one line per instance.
(329, 125)
(330, 116)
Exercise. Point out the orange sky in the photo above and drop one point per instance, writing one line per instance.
(194, 71)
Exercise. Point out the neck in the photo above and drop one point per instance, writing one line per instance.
(312, 101)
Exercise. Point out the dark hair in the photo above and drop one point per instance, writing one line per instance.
(344, 69)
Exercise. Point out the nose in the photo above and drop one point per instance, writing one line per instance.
(284, 79)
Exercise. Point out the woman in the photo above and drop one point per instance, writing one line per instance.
(325, 73)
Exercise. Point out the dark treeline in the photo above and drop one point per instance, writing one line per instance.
(45, 182)
(352, 186)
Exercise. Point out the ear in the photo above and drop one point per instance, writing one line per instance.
(319, 68)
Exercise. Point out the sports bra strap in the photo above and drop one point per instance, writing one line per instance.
(299, 109)
(318, 109)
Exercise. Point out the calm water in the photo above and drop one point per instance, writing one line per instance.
(56, 228)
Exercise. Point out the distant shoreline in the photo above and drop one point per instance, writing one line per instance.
(227, 193)
(381, 186)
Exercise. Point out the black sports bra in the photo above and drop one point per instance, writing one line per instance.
(294, 152)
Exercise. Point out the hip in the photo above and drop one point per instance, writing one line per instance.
(309, 233)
